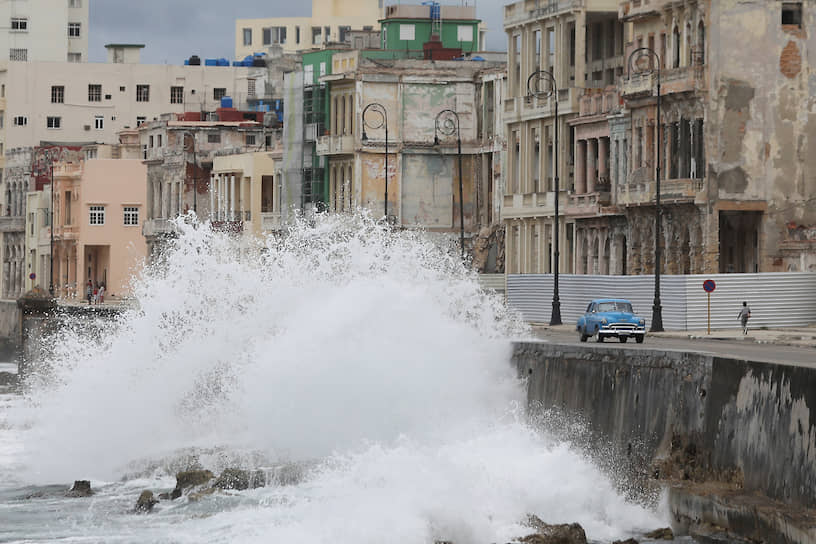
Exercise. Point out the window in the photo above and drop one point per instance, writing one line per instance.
(247, 36)
(158, 140)
(151, 142)
(99, 122)
(214, 138)
(297, 34)
(142, 93)
(91, 153)
(20, 121)
(322, 69)
(250, 87)
(250, 139)
(74, 57)
(122, 89)
(792, 13)
(74, 3)
(57, 94)
(219, 93)
(177, 95)
(18, 54)
(2, 120)
(407, 32)
(97, 215)
(19, 24)
(54, 122)
(140, 120)
(131, 216)
(308, 75)
(315, 35)
(464, 33)
(73, 30)
(94, 93)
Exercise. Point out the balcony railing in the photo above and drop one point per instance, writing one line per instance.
(537, 9)
(639, 85)
(335, 145)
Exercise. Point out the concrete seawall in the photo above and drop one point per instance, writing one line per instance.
(694, 418)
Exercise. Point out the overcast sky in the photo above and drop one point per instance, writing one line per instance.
(172, 30)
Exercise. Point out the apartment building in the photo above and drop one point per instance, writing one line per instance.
(331, 21)
(44, 30)
(179, 155)
(423, 161)
(733, 152)
(581, 44)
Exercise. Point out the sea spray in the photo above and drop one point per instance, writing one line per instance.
(369, 356)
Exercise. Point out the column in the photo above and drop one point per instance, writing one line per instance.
(603, 158)
(149, 206)
(231, 210)
(592, 164)
(212, 194)
(580, 168)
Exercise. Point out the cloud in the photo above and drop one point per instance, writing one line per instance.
(172, 30)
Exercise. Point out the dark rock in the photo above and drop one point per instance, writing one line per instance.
(233, 478)
(192, 478)
(564, 533)
(82, 488)
(627, 541)
(175, 494)
(146, 502)
(661, 534)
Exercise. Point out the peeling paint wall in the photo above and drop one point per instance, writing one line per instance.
(763, 108)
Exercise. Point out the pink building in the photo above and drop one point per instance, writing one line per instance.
(98, 215)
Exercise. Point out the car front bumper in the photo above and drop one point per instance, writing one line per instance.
(612, 330)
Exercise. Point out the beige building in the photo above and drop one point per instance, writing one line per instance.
(98, 214)
(581, 44)
(37, 241)
(179, 156)
(734, 153)
(246, 188)
(331, 21)
(44, 30)
(423, 173)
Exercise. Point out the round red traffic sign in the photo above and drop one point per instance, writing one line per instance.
(32, 276)
(709, 286)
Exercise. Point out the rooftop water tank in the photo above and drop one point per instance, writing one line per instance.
(195, 60)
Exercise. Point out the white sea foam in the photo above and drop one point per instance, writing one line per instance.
(372, 355)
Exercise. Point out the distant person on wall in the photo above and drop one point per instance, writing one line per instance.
(743, 316)
(89, 291)
(102, 293)
(96, 294)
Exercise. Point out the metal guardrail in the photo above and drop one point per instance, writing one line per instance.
(775, 299)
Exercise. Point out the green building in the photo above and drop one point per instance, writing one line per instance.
(409, 27)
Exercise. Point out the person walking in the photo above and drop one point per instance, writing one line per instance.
(89, 291)
(744, 315)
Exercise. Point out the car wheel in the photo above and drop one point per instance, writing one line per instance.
(639, 338)
(600, 338)
(583, 337)
(623, 339)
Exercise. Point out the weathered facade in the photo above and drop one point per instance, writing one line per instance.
(735, 139)
(422, 162)
(179, 157)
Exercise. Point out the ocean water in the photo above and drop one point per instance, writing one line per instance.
(365, 364)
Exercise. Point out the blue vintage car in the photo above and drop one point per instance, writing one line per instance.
(608, 317)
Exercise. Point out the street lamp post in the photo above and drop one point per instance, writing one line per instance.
(447, 127)
(642, 60)
(541, 84)
(380, 121)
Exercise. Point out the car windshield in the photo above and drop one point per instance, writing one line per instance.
(614, 307)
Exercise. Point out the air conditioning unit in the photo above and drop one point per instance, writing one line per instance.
(87, 127)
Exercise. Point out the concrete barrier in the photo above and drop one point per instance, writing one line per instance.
(688, 416)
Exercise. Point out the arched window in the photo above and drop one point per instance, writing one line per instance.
(676, 47)
(700, 56)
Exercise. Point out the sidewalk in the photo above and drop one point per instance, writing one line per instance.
(794, 336)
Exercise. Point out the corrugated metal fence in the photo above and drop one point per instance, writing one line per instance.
(775, 299)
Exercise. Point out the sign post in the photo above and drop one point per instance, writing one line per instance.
(709, 287)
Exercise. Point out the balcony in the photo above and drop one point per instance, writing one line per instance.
(685, 78)
(588, 204)
(530, 204)
(672, 191)
(153, 153)
(66, 232)
(158, 227)
(598, 102)
(12, 224)
(530, 10)
(637, 9)
(639, 85)
(681, 189)
(335, 145)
